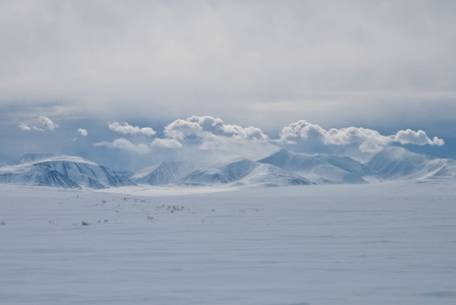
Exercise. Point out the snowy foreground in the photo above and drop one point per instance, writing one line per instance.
(367, 244)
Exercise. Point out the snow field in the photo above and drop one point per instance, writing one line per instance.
(384, 243)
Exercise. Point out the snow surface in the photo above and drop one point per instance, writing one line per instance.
(375, 244)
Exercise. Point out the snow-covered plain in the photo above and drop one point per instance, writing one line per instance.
(366, 244)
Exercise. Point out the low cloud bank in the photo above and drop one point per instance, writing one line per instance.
(196, 137)
(211, 138)
(166, 143)
(126, 145)
(356, 142)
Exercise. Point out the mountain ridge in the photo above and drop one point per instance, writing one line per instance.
(281, 168)
(319, 168)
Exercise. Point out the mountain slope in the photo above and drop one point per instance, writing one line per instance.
(270, 175)
(319, 168)
(61, 171)
(222, 174)
(399, 163)
(166, 172)
(244, 172)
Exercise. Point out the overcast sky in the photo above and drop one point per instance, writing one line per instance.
(383, 64)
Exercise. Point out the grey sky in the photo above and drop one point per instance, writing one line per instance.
(385, 65)
(266, 62)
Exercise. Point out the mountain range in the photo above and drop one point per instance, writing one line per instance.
(279, 169)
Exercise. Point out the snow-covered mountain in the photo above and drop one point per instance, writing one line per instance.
(289, 168)
(220, 174)
(399, 163)
(244, 172)
(61, 171)
(270, 175)
(166, 172)
(319, 168)
(279, 169)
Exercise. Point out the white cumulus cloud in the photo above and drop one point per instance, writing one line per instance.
(214, 138)
(210, 138)
(195, 128)
(46, 123)
(419, 137)
(41, 123)
(83, 132)
(127, 129)
(353, 141)
(203, 137)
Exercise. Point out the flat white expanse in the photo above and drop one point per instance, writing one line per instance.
(389, 243)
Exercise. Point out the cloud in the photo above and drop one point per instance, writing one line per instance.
(419, 137)
(46, 123)
(199, 137)
(183, 130)
(83, 132)
(127, 129)
(197, 128)
(261, 57)
(139, 148)
(354, 141)
(126, 145)
(166, 143)
(24, 127)
(212, 138)
(41, 123)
